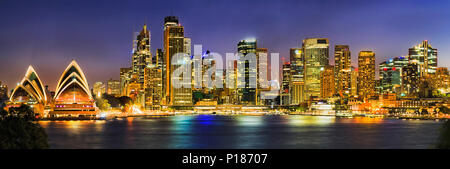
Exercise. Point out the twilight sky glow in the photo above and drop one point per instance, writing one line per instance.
(98, 33)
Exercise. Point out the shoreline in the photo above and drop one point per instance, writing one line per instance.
(238, 114)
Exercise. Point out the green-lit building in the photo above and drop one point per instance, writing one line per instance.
(390, 74)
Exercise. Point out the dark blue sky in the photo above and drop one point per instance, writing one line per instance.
(98, 34)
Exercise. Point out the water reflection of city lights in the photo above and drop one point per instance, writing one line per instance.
(44, 124)
(205, 119)
(366, 120)
(180, 120)
(181, 131)
(250, 120)
(73, 126)
(130, 120)
(311, 120)
(99, 124)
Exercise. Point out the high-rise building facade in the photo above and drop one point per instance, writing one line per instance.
(285, 89)
(231, 81)
(316, 54)
(125, 78)
(354, 81)
(99, 89)
(342, 63)
(3, 91)
(297, 81)
(153, 87)
(410, 80)
(425, 56)
(366, 74)
(441, 80)
(247, 92)
(208, 63)
(174, 42)
(187, 46)
(327, 82)
(390, 74)
(262, 66)
(262, 81)
(113, 87)
(158, 59)
(141, 53)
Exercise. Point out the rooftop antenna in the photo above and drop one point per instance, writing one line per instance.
(145, 20)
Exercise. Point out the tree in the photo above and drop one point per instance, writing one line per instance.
(3, 113)
(197, 96)
(102, 104)
(444, 109)
(112, 100)
(124, 100)
(302, 107)
(444, 138)
(18, 131)
(22, 111)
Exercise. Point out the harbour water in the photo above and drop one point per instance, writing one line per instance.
(262, 132)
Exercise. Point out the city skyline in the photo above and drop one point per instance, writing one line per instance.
(224, 74)
(46, 51)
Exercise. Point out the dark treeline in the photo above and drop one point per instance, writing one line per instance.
(20, 131)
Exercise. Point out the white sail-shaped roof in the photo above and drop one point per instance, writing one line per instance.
(73, 75)
(32, 84)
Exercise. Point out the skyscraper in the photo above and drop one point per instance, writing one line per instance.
(153, 87)
(354, 79)
(125, 77)
(158, 59)
(342, 63)
(174, 42)
(113, 87)
(410, 80)
(141, 53)
(247, 92)
(284, 92)
(366, 74)
(261, 57)
(316, 53)
(390, 74)
(442, 80)
(262, 81)
(208, 63)
(425, 56)
(187, 46)
(297, 81)
(327, 82)
(230, 82)
(98, 89)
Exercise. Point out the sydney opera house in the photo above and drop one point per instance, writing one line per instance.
(72, 97)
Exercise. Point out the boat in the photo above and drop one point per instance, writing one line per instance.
(344, 114)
